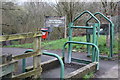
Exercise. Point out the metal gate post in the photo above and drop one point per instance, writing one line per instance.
(94, 42)
(88, 40)
(111, 40)
(70, 45)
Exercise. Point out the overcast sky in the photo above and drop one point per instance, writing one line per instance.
(67, 0)
(60, 0)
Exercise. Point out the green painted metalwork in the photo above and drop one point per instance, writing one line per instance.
(104, 57)
(84, 27)
(61, 63)
(24, 60)
(88, 40)
(49, 54)
(70, 45)
(85, 43)
(93, 41)
(95, 37)
(92, 16)
(23, 65)
(89, 14)
(81, 61)
(101, 56)
(96, 26)
(111, 31)
(70, 31)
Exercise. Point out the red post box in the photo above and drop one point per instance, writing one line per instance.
(44, 33)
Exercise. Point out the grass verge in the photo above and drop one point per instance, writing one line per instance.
(58, 44)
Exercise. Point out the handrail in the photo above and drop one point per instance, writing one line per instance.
(24, 60)
(61, 63)
(49, 54)
(20, 36)
(74, 42)
(84, 27)
(111, 30)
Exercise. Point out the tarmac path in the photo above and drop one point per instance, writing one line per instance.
(108, 69)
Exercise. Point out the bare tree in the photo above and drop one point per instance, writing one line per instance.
(110, 8)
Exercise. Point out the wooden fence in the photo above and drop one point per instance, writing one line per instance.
(9, 67)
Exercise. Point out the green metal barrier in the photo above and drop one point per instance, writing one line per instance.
(49, 54)
(95, 57)
(111, 32)
(92, 16)
(71, 26)
(60, 60)
(24, 60)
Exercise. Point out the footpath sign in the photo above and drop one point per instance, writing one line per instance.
(56, 21)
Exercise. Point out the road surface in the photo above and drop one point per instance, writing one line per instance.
(108, 69)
